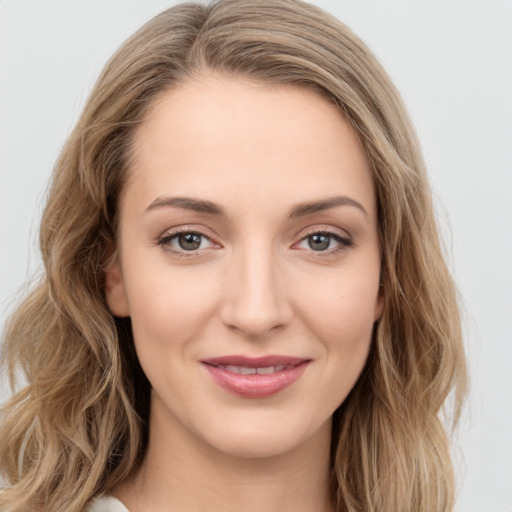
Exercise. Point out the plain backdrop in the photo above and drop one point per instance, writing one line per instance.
(451, 60)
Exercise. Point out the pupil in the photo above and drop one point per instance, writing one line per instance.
(319, 242)
(190, 241)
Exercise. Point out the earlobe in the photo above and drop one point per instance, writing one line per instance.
(115, 293)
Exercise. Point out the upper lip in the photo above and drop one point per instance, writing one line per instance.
(255, 362)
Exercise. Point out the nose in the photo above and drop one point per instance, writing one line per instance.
(255, 301)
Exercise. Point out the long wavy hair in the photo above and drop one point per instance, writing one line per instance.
(79, 425)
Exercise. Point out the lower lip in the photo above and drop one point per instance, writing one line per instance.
(256, 386)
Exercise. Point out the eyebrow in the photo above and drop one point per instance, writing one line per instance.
(186, 203)
(302, 209)
(299, 210)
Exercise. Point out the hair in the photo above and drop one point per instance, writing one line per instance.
(79, 425)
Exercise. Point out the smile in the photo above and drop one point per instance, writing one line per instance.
(255, 377)
(245, 370)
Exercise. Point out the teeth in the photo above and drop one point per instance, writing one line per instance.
(244, 370)
(247, 371)
(266, 371)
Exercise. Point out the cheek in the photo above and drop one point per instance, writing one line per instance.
(341, 311)
(168, 307)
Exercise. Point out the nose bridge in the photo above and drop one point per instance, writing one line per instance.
(255, 298)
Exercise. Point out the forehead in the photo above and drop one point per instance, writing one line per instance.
(232, 137)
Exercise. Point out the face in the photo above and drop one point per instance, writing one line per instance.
(248, 261)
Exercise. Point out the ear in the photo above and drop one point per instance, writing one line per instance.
(115, 293)
(379, 304)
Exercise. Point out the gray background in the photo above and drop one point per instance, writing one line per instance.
(452, 61)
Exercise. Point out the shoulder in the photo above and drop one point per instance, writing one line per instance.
(107, 504)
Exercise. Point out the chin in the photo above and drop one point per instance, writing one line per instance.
(260, 439)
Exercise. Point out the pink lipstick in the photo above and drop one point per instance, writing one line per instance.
(255, 377)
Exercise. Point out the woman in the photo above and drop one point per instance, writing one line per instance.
(244, 304)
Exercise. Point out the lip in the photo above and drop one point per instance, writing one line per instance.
(255, 385)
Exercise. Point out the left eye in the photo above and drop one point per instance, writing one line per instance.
(323, 241)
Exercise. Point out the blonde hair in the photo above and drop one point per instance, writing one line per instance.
(79, 426)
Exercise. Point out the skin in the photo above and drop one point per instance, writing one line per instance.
(255, 286)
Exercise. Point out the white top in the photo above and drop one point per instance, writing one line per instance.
(107, 504)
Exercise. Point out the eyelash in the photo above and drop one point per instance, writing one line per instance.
(165, 240)
(344, 242)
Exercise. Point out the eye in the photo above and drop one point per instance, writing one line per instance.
(186, 241)
(325, 241)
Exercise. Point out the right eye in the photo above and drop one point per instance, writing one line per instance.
(185, 243)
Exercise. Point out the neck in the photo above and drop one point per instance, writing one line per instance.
(181, 473)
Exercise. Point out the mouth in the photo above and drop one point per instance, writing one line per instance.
(245, 370)
(255, 377)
